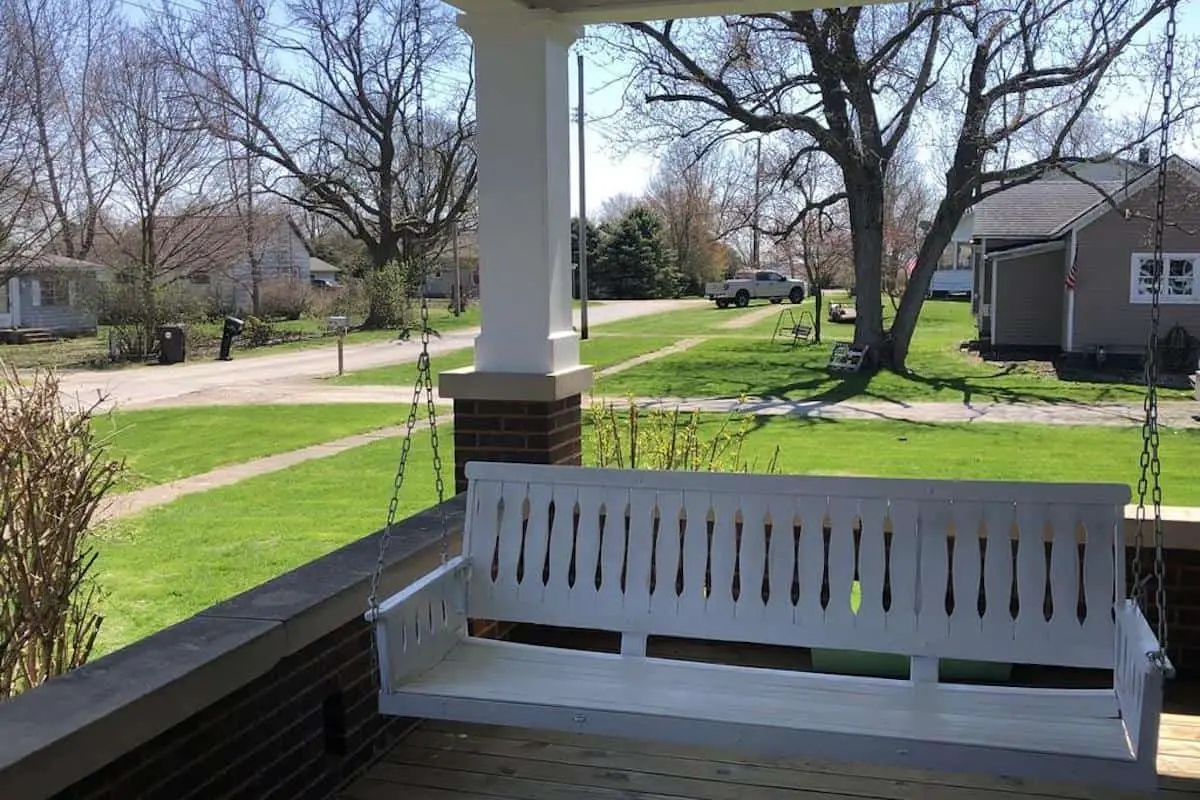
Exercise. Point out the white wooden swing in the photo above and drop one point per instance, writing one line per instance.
(1020, 573)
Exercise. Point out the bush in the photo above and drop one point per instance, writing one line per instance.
(134, 317)
(287, 298)
(670, 440)
(53, 476)
(389, 294)
(258, 332)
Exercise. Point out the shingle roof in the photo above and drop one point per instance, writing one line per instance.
(1036, 210)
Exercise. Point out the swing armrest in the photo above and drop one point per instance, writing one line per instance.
(1138, 679)
(416, 627)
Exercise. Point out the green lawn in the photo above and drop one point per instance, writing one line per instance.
(599, 350)
(700, 320)
(171, 562)
(163, 445)
(752, 365)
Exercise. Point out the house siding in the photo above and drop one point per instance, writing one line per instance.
(1103, 313)
(63, 319)
(283, 257)
(1029, 300)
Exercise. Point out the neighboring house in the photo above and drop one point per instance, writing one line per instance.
(440, 282)
(1058, 269)
(323, 271)
(207, 255)
(281, 250)
(52, 293)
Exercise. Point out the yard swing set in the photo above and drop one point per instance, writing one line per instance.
(1009, 572)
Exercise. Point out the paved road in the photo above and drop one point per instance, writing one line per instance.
(182, 384)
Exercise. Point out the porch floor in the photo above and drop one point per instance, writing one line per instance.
(440, 760)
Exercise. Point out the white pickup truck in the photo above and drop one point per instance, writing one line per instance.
(764, 285)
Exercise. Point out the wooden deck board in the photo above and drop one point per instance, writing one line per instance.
(440, 760)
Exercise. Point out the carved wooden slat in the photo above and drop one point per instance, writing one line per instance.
(998, 573)
(781, 563)
(1099, 571)
(811, 563)
(1065, 627)
(752, 558)
(612, 551)
(664, 600)
(871, 567)
(966, 625)
(838, 612)
(933, 621)
(695, 553)
(902, 568)
(1031, 576)
(722, 558)
(637, 563)
(587, 548)
(537, 540)
(562, 547)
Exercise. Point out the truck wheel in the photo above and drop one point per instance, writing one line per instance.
(742, 299)
(797, 296)
(776, 301)
(722, 304)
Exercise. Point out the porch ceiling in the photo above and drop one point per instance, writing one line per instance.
(597, 11)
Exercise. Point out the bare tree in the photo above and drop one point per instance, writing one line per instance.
(853, 83)
(62, 47)
(685, 194)
(165, 227)
(348, 147)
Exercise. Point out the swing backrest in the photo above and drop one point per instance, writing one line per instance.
(989, 571)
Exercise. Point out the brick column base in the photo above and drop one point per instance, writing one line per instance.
(1183, 607)
(516, 431)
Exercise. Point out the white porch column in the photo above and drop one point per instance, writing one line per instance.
(527, 349)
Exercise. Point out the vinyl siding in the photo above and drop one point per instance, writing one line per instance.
(1029, 295)
(59, 318)
(1103, 313)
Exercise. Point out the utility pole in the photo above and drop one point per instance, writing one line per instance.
(583, 265)
(757, 204)
(458, 298)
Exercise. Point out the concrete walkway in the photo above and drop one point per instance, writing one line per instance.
(124, 505)
(678, 347)
(154, 386)
(751, 318)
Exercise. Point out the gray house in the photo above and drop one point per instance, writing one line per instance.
(52, 293)
(1065, 266)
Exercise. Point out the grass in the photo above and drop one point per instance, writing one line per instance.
(939, 371)
(163, 445)
(600, 351)
(169, 563)
(704, 319)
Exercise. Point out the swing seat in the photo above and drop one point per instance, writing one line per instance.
(988, 571)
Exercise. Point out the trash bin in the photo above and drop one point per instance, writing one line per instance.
(233, 327)
(171, 344)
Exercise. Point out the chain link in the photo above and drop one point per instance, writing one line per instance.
(423, 385)
(1149, 481)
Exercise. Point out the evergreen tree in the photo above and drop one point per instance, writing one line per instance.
(634, 262)
(594, 236)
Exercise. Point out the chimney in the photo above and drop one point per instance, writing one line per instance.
(1144, 154)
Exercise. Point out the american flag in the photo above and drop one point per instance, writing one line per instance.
(1070, 281)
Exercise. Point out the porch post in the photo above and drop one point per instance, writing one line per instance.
(521, 399)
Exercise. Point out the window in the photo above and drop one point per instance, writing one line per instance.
(55, 291)
(1178, 285)
(200, 278)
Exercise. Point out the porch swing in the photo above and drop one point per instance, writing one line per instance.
(1010, 572)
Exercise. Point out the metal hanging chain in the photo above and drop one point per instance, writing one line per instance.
(423, 385)
(1151, 467)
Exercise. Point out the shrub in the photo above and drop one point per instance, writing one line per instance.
(258, 332)
(134, 316)
(389, 296)
(53, 476)
(286, 298)
(661, 439)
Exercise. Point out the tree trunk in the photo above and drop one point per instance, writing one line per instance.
(866, 219)
(913, 299)
(817, 312)
(382, 253)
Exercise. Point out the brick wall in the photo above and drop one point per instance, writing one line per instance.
(516, 431)
(299, 731)
(1183, 609)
